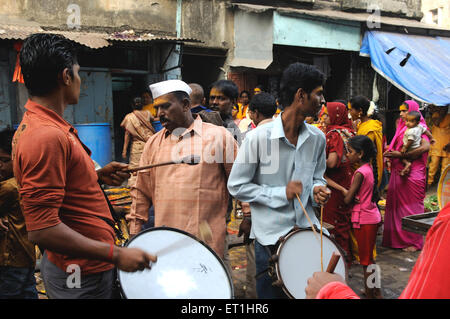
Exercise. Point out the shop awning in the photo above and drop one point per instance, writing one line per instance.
(417, 65)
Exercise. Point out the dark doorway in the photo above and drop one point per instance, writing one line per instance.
(202, 66)
(125, 88)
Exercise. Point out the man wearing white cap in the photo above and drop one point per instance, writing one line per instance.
(184, 196)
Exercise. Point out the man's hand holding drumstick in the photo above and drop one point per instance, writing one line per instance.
(321, 193)
(113, 174)
(320, 279)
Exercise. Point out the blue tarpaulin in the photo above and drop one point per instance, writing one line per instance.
(417, 65)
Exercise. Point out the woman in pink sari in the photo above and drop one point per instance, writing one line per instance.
(405, 194)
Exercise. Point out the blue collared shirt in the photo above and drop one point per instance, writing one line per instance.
(265, 164)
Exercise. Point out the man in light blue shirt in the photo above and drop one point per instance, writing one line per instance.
(279, 160)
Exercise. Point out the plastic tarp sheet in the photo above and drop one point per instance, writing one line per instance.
(417, 65)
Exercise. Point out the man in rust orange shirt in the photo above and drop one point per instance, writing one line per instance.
(63, 204)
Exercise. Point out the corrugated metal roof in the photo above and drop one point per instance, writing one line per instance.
(19, 29)
(89, 39)
(146, 37)
(340, 15)
(16, 29)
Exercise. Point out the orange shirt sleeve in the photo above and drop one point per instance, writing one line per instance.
(41, 173)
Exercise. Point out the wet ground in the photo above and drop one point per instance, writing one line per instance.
(395, 266)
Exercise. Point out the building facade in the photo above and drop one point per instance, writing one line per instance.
(125, 45)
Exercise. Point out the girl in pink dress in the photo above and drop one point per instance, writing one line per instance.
(363, 195)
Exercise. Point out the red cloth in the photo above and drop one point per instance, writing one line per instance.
(338, 114)
(366, 237)
(336, 212)
(18, 76)
(58, 182)
(336, 290)
(429, 278)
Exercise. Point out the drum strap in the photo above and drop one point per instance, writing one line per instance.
(260, 274)
(115, 218)
(270, 251)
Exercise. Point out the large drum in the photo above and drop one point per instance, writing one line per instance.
(186, 268)
(298, 257)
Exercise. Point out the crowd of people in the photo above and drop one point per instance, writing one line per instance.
(277, 159)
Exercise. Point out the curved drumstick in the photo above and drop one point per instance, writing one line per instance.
(190, 160)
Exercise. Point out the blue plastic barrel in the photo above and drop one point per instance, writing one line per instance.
(97, 136)
(157, 125)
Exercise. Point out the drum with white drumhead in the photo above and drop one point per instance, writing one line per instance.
(298, 257)
(186, 268)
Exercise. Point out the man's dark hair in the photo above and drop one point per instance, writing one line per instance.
(6, 137)
(265, 103)
(416, 115)
(42, 58)
(299, 75)
(227, 87)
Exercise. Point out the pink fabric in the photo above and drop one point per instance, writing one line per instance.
(397, 140)
(405, 194)
(365, 212)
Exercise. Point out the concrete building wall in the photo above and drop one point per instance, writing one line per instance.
(400, 8)
(208, 20)
(136, 14)
(436, 11)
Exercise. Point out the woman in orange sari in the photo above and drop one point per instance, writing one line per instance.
(138, 129)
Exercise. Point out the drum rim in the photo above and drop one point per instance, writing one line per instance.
(230, 279)
(290, 234)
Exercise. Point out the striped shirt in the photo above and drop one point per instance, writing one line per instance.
(186, 195)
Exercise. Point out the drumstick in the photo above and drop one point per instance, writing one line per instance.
(190, 160)
(204, 231)
(333, 262)
(307, 216)
(321, 238)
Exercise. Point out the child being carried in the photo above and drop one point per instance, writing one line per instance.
(412, 137)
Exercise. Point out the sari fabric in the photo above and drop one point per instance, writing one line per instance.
(139, 126)
(335, 211)
(405, 194)
(373, 129)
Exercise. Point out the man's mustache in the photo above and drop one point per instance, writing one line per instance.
(163, 119)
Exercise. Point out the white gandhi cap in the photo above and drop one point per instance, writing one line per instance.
(169, 86)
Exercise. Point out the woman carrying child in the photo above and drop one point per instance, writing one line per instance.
(405, 194)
